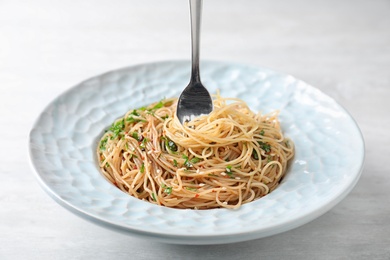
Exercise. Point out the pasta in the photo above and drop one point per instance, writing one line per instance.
(222, 160)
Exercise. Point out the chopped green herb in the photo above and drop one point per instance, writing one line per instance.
(191, 189)
(154, 196)
(117, 128)
(126, 146)
(135, 135)
(165, 117)
(142, 170)
(134, 113)
(142, 108)
(167, 190)
(195, 160)
(229, 171)
(255, 155)
(266, 147)
(187, 164)
(133, 156)
(269, 158)
(229, 168)
(158, 105)
(131, 120)
(142, 145)
(172, 146)
(262, 132)
(107, 165)
(174, 162)
(169, 144)
(103, 144)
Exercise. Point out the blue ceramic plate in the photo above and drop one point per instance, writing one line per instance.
(328, 161)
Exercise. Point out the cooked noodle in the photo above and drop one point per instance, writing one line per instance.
(225, 159)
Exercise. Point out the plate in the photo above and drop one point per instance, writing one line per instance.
(328, 161)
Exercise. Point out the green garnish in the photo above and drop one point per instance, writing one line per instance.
(174, 162)
(132, 120)
(103, 144)
(266, 147)
(134, 113)
(107, 165)
(158, 105)
(167, 190)
(191, 189)
(135, 135)
(255, 155)
(154, 196)
(170, 145)
(195, 160)
(142, 145)
(142, 170)
(269, 158)
(117, 128)
(229, 168)
(262, 132)
(229, 171)
(164, 117)
(187, 164)
(126, 146)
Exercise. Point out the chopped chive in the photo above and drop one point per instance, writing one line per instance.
(134, 113)
(135, 135)
(142, 145)
(103, 144)
(167, 190)
(132, 120)
(191, 189)
(142, 170)
(154, 196)
(187, 164)
(195, 160)
(117, 128)
(174, 162)
(169, 144)
(262, 132)
(228, 168)
(158, 105)
(266, 147)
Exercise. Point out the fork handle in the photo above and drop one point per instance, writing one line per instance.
(196, 17)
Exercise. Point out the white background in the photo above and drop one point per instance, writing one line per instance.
(341, 47)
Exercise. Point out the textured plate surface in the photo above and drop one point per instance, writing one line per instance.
(328, 161)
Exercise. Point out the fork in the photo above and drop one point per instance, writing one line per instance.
(195, 100)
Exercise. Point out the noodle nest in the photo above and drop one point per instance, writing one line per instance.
(222, 160)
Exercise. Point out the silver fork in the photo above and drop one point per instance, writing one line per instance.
(195, 100)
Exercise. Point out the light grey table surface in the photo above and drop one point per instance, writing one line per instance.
(341, 47)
